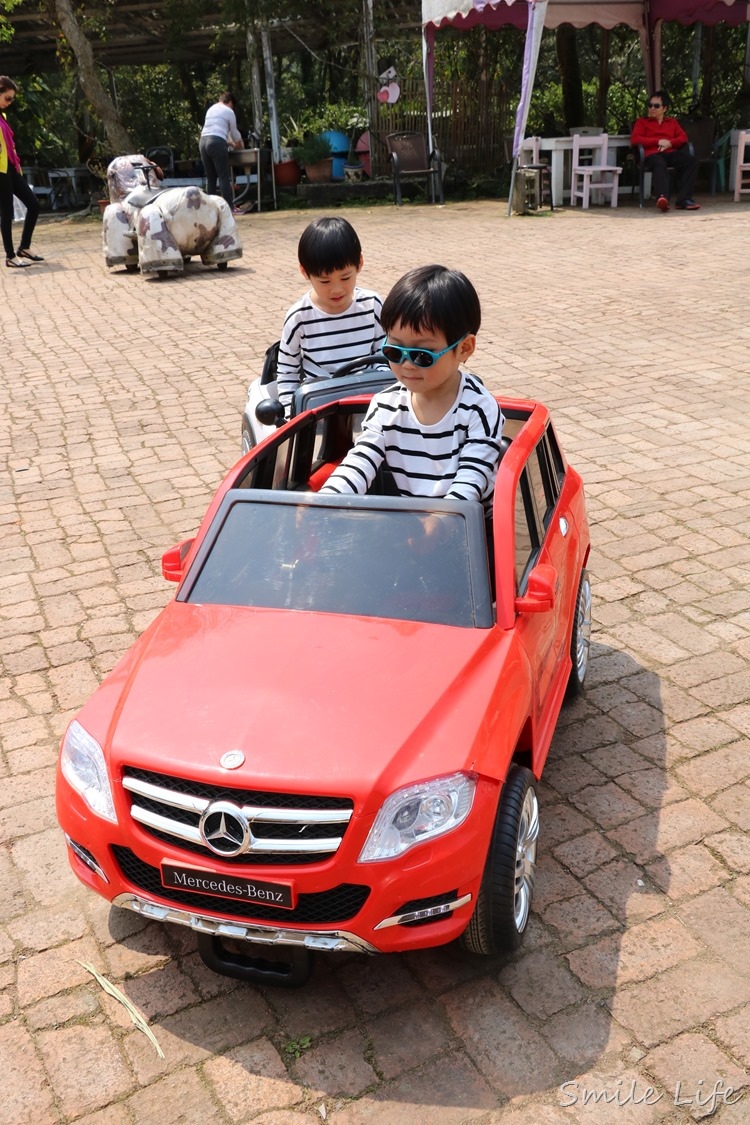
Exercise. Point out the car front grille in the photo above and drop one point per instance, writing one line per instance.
(335, 905)
(287, 828)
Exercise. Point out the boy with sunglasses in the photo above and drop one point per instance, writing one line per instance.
(336, 320)
(437, 429)
(665, 145)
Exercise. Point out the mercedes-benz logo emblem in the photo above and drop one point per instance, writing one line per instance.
(232, 759)
(225, 829)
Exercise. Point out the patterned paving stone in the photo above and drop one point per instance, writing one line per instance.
(111, 462)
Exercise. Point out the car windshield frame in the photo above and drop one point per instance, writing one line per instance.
(450, 567)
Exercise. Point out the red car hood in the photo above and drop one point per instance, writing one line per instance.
(317, 702)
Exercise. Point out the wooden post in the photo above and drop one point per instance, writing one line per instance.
(369, 77)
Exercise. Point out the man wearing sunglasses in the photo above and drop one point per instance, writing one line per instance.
(665, 146)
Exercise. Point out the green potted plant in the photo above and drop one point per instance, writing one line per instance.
(287, 171)
(314, 154)
(354, 169)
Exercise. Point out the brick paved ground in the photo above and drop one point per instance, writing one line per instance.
(121, 404)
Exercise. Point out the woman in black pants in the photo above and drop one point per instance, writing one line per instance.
(12, 183)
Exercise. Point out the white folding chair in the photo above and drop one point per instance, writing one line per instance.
(590, 172)
(742, 170)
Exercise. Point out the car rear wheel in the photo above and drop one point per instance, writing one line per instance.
(580, 640)
(248, 441)
(504, 901)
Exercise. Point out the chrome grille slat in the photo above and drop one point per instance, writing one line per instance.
(252, 812)
(185, 832)
(170, 808)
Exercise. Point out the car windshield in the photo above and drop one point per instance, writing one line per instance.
(378, 561)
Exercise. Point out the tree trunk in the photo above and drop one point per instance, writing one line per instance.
(709, 56)
(570, 75)
(96, 95)
(604, 79)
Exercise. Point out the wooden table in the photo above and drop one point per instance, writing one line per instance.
(557, 147)
(242, 161)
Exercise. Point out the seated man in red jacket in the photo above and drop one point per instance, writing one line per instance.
(665, 144)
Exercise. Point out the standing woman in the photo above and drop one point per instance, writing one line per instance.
(13, 183)
(219, 131)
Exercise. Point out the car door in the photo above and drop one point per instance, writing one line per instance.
(543, 535)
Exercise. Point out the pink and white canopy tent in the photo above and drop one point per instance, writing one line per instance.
(644, 16)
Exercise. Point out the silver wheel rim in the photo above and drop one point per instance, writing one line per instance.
(528, 834)
(583, 629)
(247, 444)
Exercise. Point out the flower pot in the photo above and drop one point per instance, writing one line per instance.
(354, 173)
(103, 205)
(320, 173)
(288, 173)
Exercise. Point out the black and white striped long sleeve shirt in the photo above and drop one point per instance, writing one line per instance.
(314, 343)
(456, 457)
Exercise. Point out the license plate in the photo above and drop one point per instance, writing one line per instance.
(227, 886)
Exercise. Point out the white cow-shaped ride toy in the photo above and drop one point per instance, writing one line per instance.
(159, 228)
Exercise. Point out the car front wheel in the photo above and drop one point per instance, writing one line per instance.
(504, 901)
(580, 640)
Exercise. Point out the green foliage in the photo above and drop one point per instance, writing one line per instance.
(295, 1047)
(311, 151)
(6, 28)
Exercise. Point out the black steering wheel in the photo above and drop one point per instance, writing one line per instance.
(375, 359)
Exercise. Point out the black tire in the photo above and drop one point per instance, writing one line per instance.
(248, 441)
(580, 638)
(504, 901)
(222, 266)
(132, 268)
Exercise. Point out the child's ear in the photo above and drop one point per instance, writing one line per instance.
(361, 262)
(304, 273)
(466, 347)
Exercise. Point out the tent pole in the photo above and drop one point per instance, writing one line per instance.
(512, 185)
(273, 114)
(428, 68)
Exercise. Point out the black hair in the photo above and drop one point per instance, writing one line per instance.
(328, 244)
(433, 298)
(7, 84)
(662, 95)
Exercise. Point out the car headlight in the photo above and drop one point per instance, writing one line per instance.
(82, 764)
(418, 813)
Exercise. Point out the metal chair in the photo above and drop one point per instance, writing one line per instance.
(409, 157)
(640, 162)
(162, 155)
(702, 136)
(742, 170)
(537, 174)
(590, 171)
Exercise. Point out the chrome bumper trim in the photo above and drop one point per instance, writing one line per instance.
(418, 915)
(88, 860)
(338, 941)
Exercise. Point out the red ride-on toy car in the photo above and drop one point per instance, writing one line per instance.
(331, 738)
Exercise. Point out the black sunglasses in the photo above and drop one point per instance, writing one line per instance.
(654, 105)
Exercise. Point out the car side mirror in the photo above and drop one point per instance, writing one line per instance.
(541, 590)
(270, 412)
(173, 560)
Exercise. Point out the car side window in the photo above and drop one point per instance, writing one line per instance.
(557, 465)
(543, 481)
(527, 538)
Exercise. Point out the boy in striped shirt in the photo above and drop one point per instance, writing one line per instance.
(437, 429)
(336, 320)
